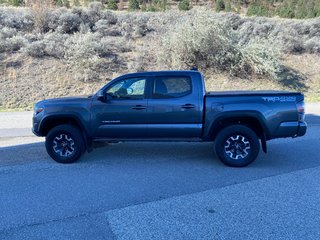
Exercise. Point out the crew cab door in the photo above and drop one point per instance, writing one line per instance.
(175, 109)
(124, 113)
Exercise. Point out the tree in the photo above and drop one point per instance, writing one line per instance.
(184, 5)
(220, 6)
(134, 5)
(112, 5)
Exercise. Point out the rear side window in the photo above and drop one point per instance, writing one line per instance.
(172, 87)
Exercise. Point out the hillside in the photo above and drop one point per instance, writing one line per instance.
(60, 52)
(283, 8)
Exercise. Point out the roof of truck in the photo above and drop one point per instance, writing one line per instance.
(159, 73)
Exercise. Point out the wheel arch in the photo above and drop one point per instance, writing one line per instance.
(252, 120)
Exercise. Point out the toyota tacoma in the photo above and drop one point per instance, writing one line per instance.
(169, 106)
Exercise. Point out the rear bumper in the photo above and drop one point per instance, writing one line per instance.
(291, 129)
(302, 129)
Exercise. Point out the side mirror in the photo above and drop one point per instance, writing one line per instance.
(101, 96)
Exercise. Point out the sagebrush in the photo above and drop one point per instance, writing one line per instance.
(97, 43)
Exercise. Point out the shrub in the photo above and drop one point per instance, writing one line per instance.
(106, 29)
(258, 57)
(286, 10)
(16, 3)
(62, 3)
(36, 49)
(69, 23)
(205, 43)
(20, 19)
(112, 5)
(55, 45)
(220, 6)
(134, 5)
(86, 54)
(12, 44)
(257, 10)
(110, 17)
(313, 45)
(228, 6)
(134, 26)
(151, 8)
(184, 5)
(7, 32)
(163, 5)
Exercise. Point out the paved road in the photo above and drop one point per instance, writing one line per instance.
(159, 191)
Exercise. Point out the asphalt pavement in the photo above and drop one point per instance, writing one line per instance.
(158, 190)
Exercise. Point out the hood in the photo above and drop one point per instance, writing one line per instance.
(67, 99)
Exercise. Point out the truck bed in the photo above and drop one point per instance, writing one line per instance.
(250, 93)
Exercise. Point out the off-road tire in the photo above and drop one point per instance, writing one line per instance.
(237, 145)
(65, 143)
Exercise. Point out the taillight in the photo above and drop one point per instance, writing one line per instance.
(301, 110)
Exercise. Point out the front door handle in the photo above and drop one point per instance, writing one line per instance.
(188, 106)
(139, 107)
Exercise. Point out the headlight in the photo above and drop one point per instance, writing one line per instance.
(38, 110)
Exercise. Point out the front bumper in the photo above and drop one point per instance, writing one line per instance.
(36, 126)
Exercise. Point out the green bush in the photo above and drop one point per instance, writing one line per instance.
(62, 3)
(228, 6)
(112, 5)
(163, 5)
(257, 10)
(151, 8)
(220, 6)
(134, 5)
(184, 5)
(16, 3)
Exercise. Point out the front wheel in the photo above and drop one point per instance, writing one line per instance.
(64, 143)
(237, 146)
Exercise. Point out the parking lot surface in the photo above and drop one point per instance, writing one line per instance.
(157, 190)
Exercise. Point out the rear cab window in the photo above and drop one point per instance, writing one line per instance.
(171, 87)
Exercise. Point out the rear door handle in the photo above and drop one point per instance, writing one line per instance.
(139, 107)
(188, 106)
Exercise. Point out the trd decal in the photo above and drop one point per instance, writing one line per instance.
(279, 99)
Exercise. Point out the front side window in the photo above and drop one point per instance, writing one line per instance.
(133, 88)
(172, 87)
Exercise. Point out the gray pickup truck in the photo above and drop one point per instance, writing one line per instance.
(169, 106)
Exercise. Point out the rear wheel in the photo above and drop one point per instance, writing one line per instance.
(237, 146)
(65, 143)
